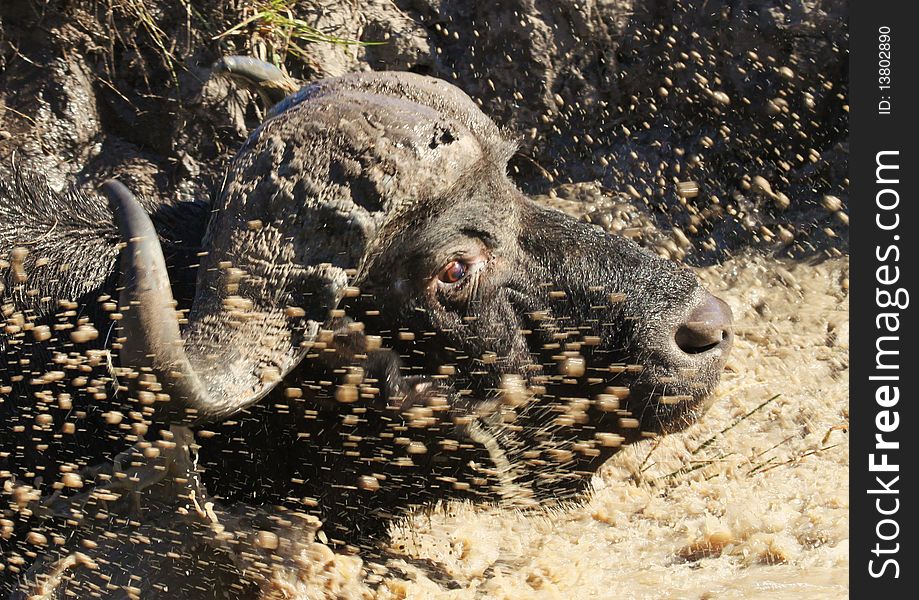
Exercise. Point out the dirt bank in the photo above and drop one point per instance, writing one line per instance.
(728, 123)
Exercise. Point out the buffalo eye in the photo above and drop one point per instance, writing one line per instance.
(453, 272)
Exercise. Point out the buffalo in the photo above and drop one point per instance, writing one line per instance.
(369, 317)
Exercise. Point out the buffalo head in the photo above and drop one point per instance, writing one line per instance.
(370, 262)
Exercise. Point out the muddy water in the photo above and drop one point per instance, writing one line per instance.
(751, 502)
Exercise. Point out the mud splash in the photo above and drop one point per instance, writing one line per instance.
(751, 502)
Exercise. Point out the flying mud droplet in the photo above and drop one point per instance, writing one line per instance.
(36, 539)
(573, 366)
(607, 402)
(720, 97)
(629, 423)
(17, 266)
(84, 334)
(671, 400)
(831, 203)
(267, 540)
(416, 447)
(609, 440)
(347, 393)
(368, 483)
(687, 189)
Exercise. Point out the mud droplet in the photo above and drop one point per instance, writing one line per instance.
(785, 235)
(573, 366)
(680, 238)
(687, 189)
(781, 200)
(113, 417)
(17, 258)
(72, 480)
(760, 184)
(37, 539)
(609, 440)
(417, 448)
(368, 483)
(721, 97)
(831, 203)
(84, 334)
(346, 393)
(267, 540)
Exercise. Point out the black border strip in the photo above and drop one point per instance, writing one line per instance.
(876, 127)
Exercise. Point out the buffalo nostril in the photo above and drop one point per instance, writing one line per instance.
(707, 327)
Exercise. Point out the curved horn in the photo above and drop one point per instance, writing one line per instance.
(150, 324)
(301, 206)
(272, 84)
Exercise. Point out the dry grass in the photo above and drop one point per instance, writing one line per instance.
(270, 31)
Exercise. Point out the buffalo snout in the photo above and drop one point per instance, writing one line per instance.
(639, 324)
(707, 330)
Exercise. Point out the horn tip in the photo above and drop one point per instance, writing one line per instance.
(117, 193)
